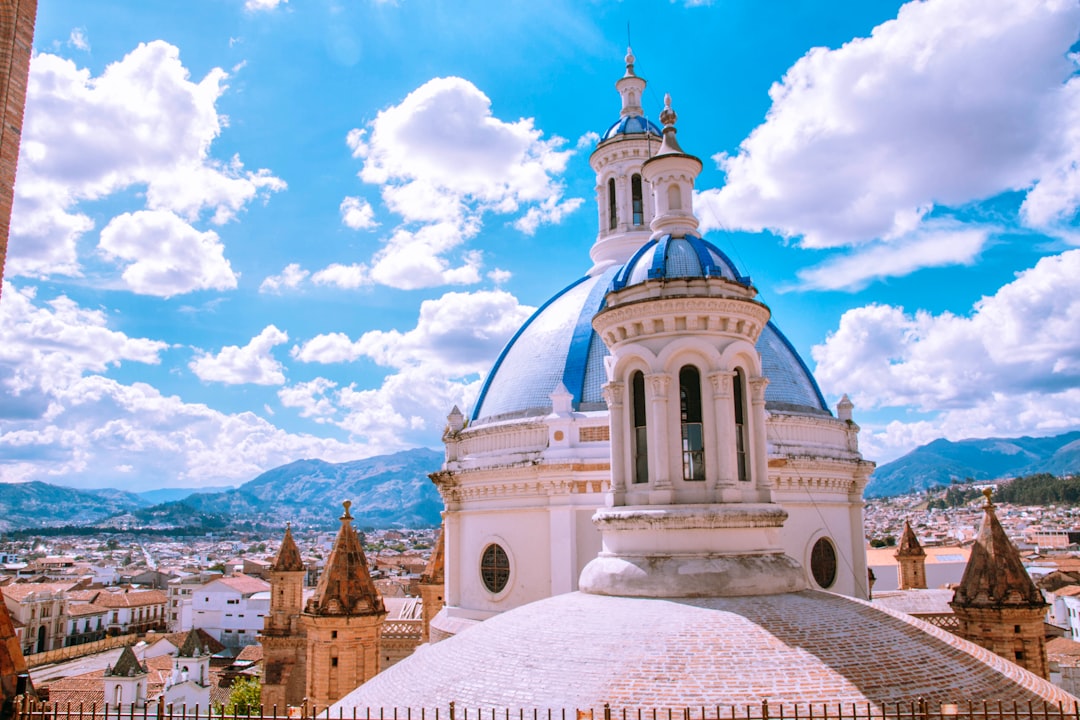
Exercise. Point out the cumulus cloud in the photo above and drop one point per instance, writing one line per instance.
(257, 5)
(165, 256)
(1010, 366)
(878, 260)
(142, 124)
(253, 363)
(311, 398)
(343, 276)
(78, 40)
(954, 101)
(289, 278)
(436, 365)
(443, 160)
(357, 213)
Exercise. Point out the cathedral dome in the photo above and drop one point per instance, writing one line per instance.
(630, 125)
(581, 650)
(558, 344)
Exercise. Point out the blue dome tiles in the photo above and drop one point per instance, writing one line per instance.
(631, 125)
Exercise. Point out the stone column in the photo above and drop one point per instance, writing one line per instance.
(614, 392)
(724, 436)
(659, 434)
(759, 458)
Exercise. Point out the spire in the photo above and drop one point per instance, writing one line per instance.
(671, 173)
(288, 557)
(433, 571)
(191, 646)
(630, 87)
(995, 576)
(909, 544)
(345, 587)
(127, 665)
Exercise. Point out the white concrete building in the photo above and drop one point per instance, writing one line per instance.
(231, 609)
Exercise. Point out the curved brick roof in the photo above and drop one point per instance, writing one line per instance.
(581, 650)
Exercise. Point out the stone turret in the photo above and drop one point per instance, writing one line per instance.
(912, 561)
(432, 587)
(284, 680)
(997, 603)
(125, 683)
(342, 621)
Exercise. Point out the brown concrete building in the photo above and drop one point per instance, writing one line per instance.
(284, 680)
(912, 561)
(342, 621)
(996, 602)
(16, 41)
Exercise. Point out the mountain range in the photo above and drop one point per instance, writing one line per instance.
(386, 491)
(942, 461)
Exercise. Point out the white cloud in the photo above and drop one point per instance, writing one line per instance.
(444, 160)
(78, 40)
(499, 276)
(357, 213)
(1011, 366)
(257, 5)
(954, 101)
(587, 141)
(311, 398)
(165, 256)
(143, 125)
(348, 277)
(436, 365)
(926, 248)
(253, 363)
(291, 277)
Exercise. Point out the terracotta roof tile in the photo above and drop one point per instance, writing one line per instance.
(345, 587)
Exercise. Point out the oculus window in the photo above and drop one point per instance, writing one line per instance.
(494, 568)
(823, 562)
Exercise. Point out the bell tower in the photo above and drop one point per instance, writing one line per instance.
(284, 645)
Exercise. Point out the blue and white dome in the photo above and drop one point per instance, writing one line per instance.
(631, 125)
(558, 344)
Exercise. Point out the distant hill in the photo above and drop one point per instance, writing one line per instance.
(38, 504)
(386, 491)
(942, 461)
(165, 495)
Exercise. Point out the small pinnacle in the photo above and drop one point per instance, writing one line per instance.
(668, 116)
(987, 492)
(347, 504)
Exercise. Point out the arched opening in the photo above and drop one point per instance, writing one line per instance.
(118, 695)
(741, 437)
(693, 436)
(612, 217)
(674, 198)
(638, 206)
(640, 441)
(41, 639)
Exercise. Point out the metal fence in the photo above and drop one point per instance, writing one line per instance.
(28, 709)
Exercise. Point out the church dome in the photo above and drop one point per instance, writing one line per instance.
(631, 125)
(558, 344)
(581, 650)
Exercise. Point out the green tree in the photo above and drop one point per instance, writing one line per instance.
(245, 697)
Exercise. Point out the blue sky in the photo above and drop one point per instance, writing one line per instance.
(247, 232)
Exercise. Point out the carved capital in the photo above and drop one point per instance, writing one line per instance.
(721, 383)
(613, 393)
(659, 383)
(757, 389)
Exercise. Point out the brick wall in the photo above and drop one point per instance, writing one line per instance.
(16, 40)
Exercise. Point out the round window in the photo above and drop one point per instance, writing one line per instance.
(494, 568)
(823, 563)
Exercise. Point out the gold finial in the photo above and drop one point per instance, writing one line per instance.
(987, 492)
(347, 504)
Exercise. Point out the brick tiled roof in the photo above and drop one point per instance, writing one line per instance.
(582, 650)
(81, 609)
(288, 557)
(245, 584)
(19, 591)
(909, 544)
(132, 598)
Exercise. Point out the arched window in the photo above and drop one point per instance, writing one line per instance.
(742, 443)
(674, 198)
(693, 436)
(640, 441)
(823, 562)
(638, 206)
(612, 218)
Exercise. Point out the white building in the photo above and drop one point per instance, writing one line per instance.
(231, 609)
(562, 427)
